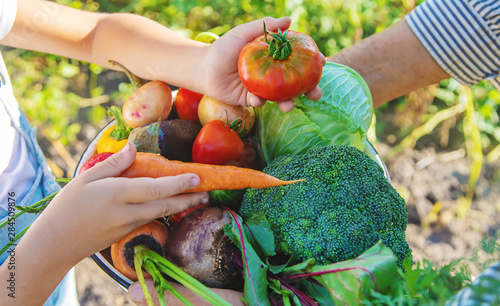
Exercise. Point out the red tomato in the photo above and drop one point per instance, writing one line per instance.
(91, 162)
(279, 73)
(186, 104)
(217, 144)
(178, 216)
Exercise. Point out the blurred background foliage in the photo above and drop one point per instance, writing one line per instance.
(59, 94)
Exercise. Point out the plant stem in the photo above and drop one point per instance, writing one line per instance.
(38, 204)
(134, 80)
(161, 284)
(140, 276)
(122, 129)
(180, 276)
(15, 239)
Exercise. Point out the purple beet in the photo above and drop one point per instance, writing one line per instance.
(199, 246)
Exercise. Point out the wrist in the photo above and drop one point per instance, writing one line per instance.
(198, 80)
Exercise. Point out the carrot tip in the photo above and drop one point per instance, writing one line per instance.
(293, 182)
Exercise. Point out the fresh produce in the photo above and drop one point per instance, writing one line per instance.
(227, 198)
(114, 138)
(217, 144)
(206, 37)
(150, 103)
(175, 218)
(213, 177)
(92, 161)
(281, 69)
(344, 207)
(152, 236)
(186, 101)
(341, 117)
(186, 104)
(271, 279)
(158, 266)
(173, 139)
(249, 158)
(210, 109)
(198, 245)
(136, 81)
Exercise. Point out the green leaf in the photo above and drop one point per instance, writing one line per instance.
(259, 234)
(346, 281)
(282, 133)
(344, 112)
(254, 269)
(341, 117)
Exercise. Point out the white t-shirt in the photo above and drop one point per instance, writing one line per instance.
(16, 171)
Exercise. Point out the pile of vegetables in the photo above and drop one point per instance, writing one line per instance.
(288, 244)
(319, 224)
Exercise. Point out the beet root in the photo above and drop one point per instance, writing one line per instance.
(199, 246)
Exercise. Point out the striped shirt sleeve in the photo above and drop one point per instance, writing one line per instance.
(463, 37)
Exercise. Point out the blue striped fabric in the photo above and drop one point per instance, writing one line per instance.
(463, 37)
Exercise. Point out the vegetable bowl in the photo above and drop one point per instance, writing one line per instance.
(342, 117)
(103, 258)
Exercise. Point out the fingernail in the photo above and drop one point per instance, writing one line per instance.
(195, 182)
(126, 148)
(135, 293)
(204, 200)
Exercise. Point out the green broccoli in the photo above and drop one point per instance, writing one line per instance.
(344, 206)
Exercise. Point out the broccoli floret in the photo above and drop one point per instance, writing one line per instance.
(344, 206)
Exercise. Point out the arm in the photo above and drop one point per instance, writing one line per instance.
(147, 48)
(438, 39)
(392, 62)
(93, 211)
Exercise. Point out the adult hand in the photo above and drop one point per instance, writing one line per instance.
(222, 75)
(137, 296)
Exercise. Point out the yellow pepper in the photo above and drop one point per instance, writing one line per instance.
(115, 137)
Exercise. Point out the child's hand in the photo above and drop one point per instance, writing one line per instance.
(98, 208)
(222, 69)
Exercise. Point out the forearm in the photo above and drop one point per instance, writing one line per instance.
(147, 48)
(392, 62)
(34, 269)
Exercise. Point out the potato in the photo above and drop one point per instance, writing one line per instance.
(210, 109)
(149, 103)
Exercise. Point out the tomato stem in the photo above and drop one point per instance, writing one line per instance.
(280, 47)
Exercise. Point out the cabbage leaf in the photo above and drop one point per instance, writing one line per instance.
(341, 117)
(344, 112)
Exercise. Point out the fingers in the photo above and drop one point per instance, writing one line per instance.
(113, 165)
(166, 207)
(254, 100)
(314, 94)
(251, 30)
(272, 24)
(286, 106)
(145, 189)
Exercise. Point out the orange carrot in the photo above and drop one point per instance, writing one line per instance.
(152, 235)
(212, 177)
